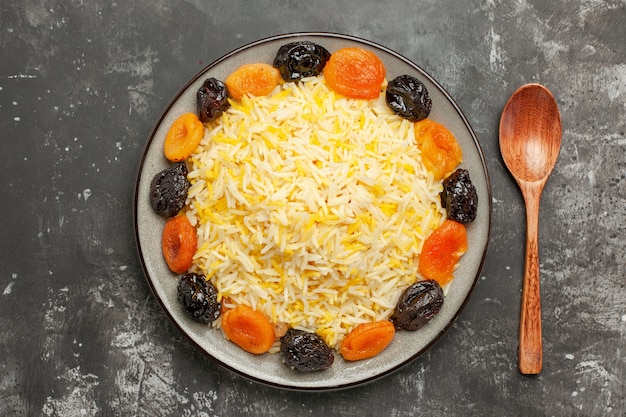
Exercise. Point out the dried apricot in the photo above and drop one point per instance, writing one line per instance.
(183, 137)
(367, 340)
(179, 243)
(440, 151)
(249, 329)
(442, 250)
(355, 73)
(253, 79)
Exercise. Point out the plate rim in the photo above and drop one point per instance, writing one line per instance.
(151, 138)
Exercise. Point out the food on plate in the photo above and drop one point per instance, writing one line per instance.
(442, 250)
(252, 79)
(311, 207)
(355, 73)
(168, 190)
(183, 137)
(249, 329)
(418, 304)
(179, 243)
(198, 297)
(297, 60)
(407, 96)
(316, 207)
(305, 351)
(440, 152)
(459, 197)
(367, 340)
(211, 100)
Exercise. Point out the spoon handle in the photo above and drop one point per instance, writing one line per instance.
(530, 343)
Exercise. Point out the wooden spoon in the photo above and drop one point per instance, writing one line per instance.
(530, 139)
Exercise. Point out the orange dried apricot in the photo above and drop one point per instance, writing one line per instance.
(439, 149)
(179, 243)
(442, 250)
(253, 79)
(355, 73)
(367, 340)
(183, 137)
(249, 329)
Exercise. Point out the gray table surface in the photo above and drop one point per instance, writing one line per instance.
(82, 84)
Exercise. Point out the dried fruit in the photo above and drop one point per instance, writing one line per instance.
(417, 305)
(355, 73)
(249, 329)
(305, 351)
(367, 340)
(438, 147)
(408, 97)
(168, 190)
(297, 60)
(253, 79)
(179, 243)
(459, 197)
(198, 298)
(212, 100)
(442, 250)
(183, 137)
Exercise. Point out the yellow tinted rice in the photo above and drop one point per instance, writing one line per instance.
(311, 207)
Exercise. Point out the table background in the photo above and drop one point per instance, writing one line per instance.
(82, 83)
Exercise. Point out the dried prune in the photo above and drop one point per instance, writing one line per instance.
(168, 190)
(198, 297)
(212, 100)
(408, 97)
(459, 197)
(417, 305)
(305, 351)
(297, 60)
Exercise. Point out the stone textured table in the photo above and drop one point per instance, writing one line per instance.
(82, 84)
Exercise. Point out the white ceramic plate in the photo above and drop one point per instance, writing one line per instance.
(267, 368)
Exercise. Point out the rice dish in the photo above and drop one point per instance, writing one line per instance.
(311, 208)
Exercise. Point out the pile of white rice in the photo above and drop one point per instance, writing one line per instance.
(311, 207)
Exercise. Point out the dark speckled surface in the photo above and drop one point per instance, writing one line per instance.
(82, 84)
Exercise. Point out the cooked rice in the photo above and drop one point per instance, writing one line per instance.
(311, 207)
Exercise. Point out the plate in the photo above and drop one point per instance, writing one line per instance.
(267, 368)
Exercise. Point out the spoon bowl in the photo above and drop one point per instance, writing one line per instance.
(530, 140)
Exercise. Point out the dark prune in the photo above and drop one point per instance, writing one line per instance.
(198, 298)
(212, 100)
(459, 197)
(305, 351)
(299, 60)
(417, 305)
(168, 190)
(408, 97)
